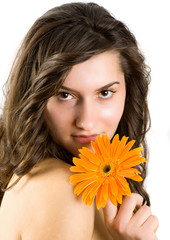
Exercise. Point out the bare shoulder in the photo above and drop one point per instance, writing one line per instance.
(45, 205)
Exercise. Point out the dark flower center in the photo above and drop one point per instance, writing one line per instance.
(106, 168)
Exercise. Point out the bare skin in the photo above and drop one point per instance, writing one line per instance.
(42, 204)
(124, 224)
(43, 183)
(90, 102)
(46, 208)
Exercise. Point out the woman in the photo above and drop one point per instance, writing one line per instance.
(78, 74)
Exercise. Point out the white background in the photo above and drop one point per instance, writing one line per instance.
(149, 20)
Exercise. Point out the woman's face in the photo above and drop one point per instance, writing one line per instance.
(90, 102)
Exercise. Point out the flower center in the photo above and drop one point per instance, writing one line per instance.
(106, 168)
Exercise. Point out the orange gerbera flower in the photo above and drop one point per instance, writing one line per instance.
(104, 171)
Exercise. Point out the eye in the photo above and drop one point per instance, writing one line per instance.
(106, 94)
(64, 96)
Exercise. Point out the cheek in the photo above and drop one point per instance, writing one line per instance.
(58, 122)
(111, 117)
(54, 118)
(113, 113)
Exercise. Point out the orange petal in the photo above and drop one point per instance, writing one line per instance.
(111, 196)
(105, 190)
(131, 162)
(122, 182)
(120, 147)
(128, 172)
(113, 186)
(86, 164)
(81, 177)
(104, 194)
(102, 148)
(115, 140)
(96, 150)
(126, 149)
(128, 191)
(132, 153)
(98, 198)
(122, 190)
(82, 185)
(119, 197)
(106, 144)
(91, 192)
(86, 193)
(107, 141)
(90, 155)
(136, 177)
(115, 143)
(95, 188)
(77, 169)
(89, 200)
(94, 160)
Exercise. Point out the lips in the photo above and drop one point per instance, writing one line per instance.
(84, 138)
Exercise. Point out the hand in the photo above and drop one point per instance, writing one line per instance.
(123, 224)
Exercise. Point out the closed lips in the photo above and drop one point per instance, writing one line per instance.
(85, 138)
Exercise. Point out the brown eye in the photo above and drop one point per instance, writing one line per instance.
(64, 96)
(105, 94)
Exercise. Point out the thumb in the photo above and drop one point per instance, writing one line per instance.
(110, 212)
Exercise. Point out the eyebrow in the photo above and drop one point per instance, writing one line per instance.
(100, 89)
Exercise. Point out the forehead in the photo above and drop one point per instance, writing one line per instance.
(96, 72)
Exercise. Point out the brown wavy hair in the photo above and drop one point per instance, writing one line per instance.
(62, 37)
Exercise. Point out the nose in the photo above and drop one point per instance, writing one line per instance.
(85, 117)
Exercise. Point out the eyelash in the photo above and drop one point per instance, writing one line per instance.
(108, 91)
(63, 95)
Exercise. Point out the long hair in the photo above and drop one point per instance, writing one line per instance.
(62, 37)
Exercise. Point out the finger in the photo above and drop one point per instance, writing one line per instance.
(110, 212)
(141, 216)
(129, 204)
(151, 223)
